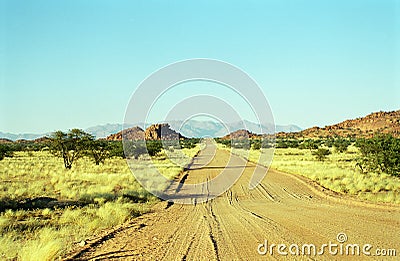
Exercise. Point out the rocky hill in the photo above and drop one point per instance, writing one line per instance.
(154, 132)
(240, 135)
(135, 133)
(4, 140)
(377, 122)
(162, 132)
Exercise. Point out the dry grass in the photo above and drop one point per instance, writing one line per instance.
(99, 197)
(338, 173)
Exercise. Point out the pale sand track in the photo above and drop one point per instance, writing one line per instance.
(283, 209)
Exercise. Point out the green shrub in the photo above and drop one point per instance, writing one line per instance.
(116, 149)
(321, 153)
(341, 144)
(309, 144)
(5, 151)
(380, 154)
(256, 144)
(153, 147)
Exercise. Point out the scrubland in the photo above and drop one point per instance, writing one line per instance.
(46, 209)
(338, 172)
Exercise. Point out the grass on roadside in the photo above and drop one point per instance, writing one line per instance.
(95, 198)
(338, 172)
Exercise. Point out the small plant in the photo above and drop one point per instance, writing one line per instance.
(321, 153)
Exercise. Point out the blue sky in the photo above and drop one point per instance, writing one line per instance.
(66, 64)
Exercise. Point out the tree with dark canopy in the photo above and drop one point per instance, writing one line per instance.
(71, 145)
(5, 151)
(99, 150)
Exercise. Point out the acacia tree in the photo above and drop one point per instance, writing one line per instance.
(99, 150)
(321, 153)
(380, 154)
(70, 146)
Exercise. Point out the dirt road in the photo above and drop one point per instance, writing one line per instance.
(284, 209)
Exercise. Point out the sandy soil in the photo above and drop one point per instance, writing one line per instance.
(284, 209)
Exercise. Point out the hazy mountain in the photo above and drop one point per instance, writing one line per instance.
(194, 128)
(287, 128)
(23, 136)
(99, 131)
(102, 131)
(190, 128)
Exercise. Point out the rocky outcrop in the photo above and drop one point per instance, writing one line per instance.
(154, 132)
(135, 133)
(42, 140)
(161, 132)
(377, 122)
(240, 135)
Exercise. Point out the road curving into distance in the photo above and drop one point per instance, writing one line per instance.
(244, 224)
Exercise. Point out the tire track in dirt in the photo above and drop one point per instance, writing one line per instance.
(283, 209)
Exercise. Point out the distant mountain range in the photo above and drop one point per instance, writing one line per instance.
(190, 128)
(377, 122)
(23, 136)
(194, 128)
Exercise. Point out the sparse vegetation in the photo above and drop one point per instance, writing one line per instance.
(341, 144)
(310, 144)
(189, 143)
(287, 143)
(61, 207)
(338, 172)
